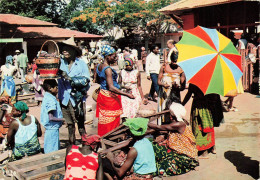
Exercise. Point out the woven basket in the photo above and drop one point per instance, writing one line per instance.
(48, 66)
(95, 94)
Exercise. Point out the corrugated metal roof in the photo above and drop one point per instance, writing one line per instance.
(189, 4)
(20, 20)
(51, 32)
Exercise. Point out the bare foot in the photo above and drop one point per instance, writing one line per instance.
(213, 150)
(204, 155)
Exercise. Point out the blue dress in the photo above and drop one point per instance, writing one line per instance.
(103, 78)
(51, 137)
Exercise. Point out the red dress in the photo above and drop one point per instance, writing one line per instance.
(79, 166)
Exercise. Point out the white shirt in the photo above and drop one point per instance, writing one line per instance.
(120, 56)
(8, 71)
(135, 53)
(152, 64)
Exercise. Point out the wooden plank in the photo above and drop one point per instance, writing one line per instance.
(47, 174)
(119, 131)
(37, 157)
(4, 156)
(118, 146)
(89, 121)
(107, 134)
(117, 137)
(157, 114)
(24, 95)
(38, 166)
(110, 143)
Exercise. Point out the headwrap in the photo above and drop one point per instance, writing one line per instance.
(137, 126)
(107, 50)
(90, 139)
(9, 60)
(129, 61)
(22, 106)
(177, 110)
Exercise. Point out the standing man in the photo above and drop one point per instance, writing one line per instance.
(121, 60)
(73, 86)
(173, 49)
(143, 57)
(152, 70)
(17, 52)
(22, 61)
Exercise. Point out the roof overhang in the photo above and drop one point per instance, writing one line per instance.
(11, 40)
(182, 5)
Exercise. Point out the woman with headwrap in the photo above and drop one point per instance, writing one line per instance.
(84, 162)
(8, 84)
(109, 107)
(23, 132)
(177, 154)
(130, 81)
(140, 160)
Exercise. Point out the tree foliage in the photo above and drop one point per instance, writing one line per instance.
(46, 10)
(132, 16)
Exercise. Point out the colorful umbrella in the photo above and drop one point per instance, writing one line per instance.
(209, 60)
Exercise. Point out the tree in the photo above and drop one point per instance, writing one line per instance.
(132, 16)
(46, 10)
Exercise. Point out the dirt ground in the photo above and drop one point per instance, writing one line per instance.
(237, 140)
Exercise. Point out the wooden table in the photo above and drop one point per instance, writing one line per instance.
(41, 166)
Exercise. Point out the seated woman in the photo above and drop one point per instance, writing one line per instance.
(178, 154)
(83, 162)
(140, 156)
(23, 132)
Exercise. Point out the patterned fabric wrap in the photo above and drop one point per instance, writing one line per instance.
(9, 60)
(202, 124)
(135, 176)
(107, 50)
(109, 109)
(129, 61)
(79, 166)
(170, 163)
(22, 106)
(183, 143)
(29, 148)
(8, 85)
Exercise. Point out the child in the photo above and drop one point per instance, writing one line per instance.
(51, 116)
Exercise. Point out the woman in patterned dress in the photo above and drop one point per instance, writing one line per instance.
(171, 80)
(130, 80)
(204, 111)
(177, 154)
(83, 162)
(109, 107)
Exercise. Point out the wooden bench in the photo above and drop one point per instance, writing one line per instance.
(41, 166)
(27, 96)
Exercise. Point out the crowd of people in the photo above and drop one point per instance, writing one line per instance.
(166, 147)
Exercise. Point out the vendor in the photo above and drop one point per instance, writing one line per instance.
(140, 156)
(8, 84)
(73, 86)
